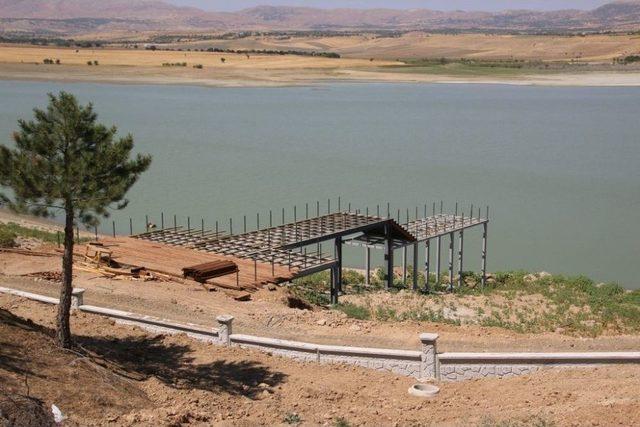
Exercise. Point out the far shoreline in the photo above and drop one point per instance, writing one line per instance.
(304, 78)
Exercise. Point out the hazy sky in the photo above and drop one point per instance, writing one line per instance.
(488, 5)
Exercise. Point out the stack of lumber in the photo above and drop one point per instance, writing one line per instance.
(209, 270)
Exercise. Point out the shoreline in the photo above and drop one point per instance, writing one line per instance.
(299, 78)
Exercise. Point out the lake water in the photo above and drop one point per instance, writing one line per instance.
(560, 167)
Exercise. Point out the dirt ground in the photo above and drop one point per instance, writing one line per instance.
(122, 376)
(267, 314)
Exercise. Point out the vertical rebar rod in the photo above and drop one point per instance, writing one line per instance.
(202, 226)
(114, 229)
(175, 223)
(130, 227)
(146, 223)
(189, 225)
(244, 223)
(162, 220)
(231, 226)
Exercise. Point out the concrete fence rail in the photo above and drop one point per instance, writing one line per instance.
(423, 364)
(401, 362)
(465, 366)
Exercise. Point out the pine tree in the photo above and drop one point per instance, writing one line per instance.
(64, 161)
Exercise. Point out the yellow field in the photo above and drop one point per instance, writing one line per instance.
(596, 48)
(138, 66)
(146, 58)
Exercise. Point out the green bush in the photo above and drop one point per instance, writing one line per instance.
(7, 238)
(354, 311)
(18, 230)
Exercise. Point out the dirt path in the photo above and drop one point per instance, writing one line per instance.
(163, 380)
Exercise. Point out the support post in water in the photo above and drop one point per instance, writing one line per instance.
(130, 226)
(162, 220)
(175, 223)
(188, 225)
(202, 226)
(114, 229)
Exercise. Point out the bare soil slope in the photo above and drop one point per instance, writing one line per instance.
(123, 376)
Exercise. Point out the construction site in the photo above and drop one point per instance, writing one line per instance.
(241, 263)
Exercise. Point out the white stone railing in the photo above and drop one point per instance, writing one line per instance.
(423, 364)
(465, 366)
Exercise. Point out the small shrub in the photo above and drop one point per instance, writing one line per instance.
(292, 418)
(342, 422)
(95, 62)
(89, 62)
(354, 311)
(7, 238)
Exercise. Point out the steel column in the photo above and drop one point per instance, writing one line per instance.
(460, 255)
(367, 265)
(484, 254)
(404, 266)
(338, 246)
(388, 257)
(438, 263)
(451, 243)
(415, 266)
(427, 264)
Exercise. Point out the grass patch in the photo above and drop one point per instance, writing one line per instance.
(469, 67)
(16, 230)
(354, 311)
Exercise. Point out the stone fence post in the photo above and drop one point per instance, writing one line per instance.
(77, 297)
(429, 369)
(225, 326)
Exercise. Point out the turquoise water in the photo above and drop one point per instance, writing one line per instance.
(560, 167)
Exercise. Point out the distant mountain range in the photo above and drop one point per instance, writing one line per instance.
(69, 16)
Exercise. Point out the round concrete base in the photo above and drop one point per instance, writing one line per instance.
(423, 390)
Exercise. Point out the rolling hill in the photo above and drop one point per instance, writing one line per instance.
(60, 16)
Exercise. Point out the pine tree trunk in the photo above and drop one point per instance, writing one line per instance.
(63, 333)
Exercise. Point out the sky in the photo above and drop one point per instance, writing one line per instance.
(485, 5)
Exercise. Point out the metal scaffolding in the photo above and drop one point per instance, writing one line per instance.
(299, 244)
